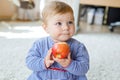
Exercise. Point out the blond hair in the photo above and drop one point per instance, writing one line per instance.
(53, 8)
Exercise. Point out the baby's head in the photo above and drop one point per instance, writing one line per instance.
(53, 8)
(58, 21)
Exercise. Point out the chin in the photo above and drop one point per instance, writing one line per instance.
(64, 39)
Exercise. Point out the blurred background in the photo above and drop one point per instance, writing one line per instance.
(97, 26)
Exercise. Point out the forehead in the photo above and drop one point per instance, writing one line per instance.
(64, 16)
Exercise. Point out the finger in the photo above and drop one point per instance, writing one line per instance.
(49, 53)
(56, 59)
(52, 61)
(50, 50)
(69, 55)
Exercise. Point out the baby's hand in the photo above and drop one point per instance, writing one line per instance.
(63, 62)
(48, 59)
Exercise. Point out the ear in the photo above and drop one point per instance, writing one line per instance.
(45, 27)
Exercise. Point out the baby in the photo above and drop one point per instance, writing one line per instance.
(58, 22)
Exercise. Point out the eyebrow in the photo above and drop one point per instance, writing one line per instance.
(57, 19)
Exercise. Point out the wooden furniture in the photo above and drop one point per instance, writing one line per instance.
(106, 3)
(7, 9)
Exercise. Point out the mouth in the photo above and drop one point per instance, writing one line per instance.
(65, 33)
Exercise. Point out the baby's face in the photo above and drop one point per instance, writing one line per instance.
(61, 26)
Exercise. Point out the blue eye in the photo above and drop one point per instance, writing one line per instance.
(59, 23)
(70, 22)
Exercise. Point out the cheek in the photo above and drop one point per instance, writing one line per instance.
(72, 31)
(53, 31)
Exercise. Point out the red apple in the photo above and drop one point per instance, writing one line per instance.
(60, 50)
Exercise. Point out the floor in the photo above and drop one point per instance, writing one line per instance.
(17, 37)
(84, 27)
(92, 28)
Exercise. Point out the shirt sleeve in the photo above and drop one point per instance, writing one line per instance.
(34, 61)
(79, 65)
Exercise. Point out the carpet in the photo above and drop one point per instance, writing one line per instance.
(17, 38)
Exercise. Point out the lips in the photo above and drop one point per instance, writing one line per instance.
(65, 33)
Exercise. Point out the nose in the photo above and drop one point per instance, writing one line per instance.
(65, 27)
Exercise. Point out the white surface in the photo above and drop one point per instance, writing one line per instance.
(104, 51)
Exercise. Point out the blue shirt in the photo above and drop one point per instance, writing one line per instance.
(77, 69)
